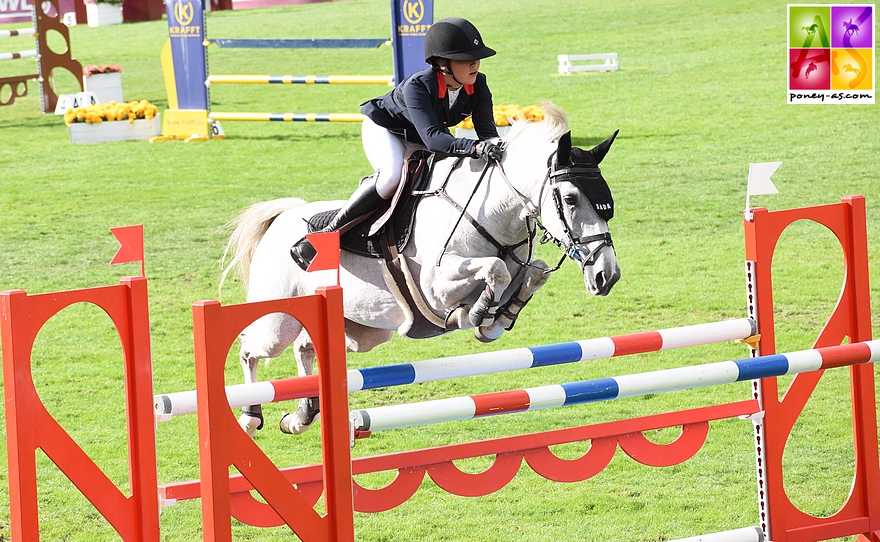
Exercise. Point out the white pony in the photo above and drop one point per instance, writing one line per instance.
(470, 252)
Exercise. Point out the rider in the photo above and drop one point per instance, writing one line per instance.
(416, 115)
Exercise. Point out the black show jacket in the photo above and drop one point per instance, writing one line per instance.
(418, 110)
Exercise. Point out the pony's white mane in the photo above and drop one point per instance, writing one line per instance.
(554, 125)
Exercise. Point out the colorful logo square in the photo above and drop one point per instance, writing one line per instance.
(808, 26)
(810, 69)
(831, 53)
(852, 27)
(848, 69)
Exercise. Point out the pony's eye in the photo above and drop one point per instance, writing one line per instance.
(569, 200)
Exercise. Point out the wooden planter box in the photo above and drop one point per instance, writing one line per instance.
(104, 14)
(107, 87)
(120, 130)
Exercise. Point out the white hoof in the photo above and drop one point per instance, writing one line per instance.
(249, 424)
(488, 334)
(295, 423)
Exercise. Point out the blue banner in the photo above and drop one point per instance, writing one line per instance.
(410, 21)
(187, 32)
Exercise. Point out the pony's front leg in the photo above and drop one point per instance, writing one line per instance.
(534, 278)
(497, 279)
(458, 278)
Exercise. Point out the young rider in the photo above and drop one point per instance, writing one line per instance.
(417, 114)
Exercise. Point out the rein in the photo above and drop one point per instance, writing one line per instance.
(463, 214)
(463, 210)
(569, 247)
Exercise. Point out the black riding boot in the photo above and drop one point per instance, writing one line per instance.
(364, 201)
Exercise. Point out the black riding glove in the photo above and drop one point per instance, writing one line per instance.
(488, 151)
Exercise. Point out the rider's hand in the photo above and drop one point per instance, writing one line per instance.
(489, 151)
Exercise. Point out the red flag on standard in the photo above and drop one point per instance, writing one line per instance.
(132, 240)
(327, 247)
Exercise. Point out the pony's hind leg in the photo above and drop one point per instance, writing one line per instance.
(251, 419)
(358, 338)
(298, 422)
(265, 338)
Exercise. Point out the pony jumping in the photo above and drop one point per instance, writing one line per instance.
(470, 257)
(289, 494)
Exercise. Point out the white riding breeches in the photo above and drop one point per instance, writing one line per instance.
(386, 153)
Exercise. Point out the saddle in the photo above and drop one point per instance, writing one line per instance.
(389, 242)
(398, 228)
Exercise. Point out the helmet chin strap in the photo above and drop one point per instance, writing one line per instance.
(445, 69)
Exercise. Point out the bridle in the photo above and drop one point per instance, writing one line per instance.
(569, 245)
(572, 246)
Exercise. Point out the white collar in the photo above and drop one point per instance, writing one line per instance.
(453, 95)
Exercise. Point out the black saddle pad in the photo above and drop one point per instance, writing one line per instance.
(357, 240)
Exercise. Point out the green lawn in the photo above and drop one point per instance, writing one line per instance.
(700, 94)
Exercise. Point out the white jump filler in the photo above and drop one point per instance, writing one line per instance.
(603, 62)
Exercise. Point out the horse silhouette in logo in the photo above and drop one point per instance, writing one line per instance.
(811, 29)
(811, 68)
(850, 27)
(849, 68)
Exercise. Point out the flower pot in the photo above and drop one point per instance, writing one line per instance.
(104, 14)
(118, 130)
(107, 87)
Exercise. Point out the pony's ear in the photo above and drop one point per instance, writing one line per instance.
(600, 150)
(563, 151)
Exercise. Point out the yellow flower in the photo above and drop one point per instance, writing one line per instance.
(504, 113)
(112, 111)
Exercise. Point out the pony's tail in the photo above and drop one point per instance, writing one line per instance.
(247, 230)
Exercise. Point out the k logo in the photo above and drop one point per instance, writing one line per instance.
(183, 13)
(413, 11)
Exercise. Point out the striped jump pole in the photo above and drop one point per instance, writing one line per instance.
(32, 53)
(49, 62)
(176, 404)
(21, 54)
(604, 389)
(17, 32)
(300, 80)
(288, 117)
(746, 534)
(298, 43)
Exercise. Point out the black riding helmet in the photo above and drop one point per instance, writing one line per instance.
(455, 38)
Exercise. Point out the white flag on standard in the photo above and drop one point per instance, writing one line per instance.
(759, 180)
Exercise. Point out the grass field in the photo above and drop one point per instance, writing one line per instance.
(700, 94)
